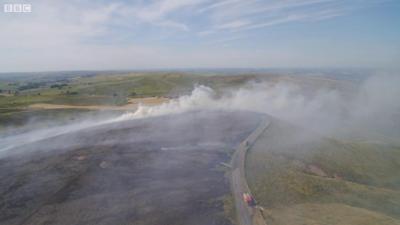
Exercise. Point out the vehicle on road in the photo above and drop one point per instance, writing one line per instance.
(249, 200)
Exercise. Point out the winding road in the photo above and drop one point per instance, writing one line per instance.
(246, 215)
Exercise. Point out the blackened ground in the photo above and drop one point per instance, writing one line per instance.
(162, 170)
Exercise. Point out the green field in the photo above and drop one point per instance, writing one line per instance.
(107, 89)
(17, 93)
(301, 178)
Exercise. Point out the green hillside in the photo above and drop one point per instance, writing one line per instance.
(96, 89)
(300, 178)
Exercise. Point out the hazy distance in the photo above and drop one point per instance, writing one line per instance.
(109, 35)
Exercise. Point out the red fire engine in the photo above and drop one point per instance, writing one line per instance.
(249, 199)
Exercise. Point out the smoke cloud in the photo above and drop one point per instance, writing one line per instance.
(371, 110)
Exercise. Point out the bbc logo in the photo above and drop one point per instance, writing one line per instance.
(17, 8)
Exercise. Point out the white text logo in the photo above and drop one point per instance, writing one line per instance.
(17, 8)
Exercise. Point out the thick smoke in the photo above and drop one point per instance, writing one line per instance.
(202, 97)
(371, 110)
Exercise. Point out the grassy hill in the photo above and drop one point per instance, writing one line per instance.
(302, 178)
(18, 92)
(95, 89)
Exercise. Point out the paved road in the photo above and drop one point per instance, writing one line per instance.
(238, 179)
(243, 211)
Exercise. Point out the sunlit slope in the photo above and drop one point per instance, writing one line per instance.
(301, 178)
(97, 90)
(107, 89)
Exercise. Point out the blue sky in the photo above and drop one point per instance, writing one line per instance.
(79, 35)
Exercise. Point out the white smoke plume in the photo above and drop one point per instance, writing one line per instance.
(372, 108)
(202, 97)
